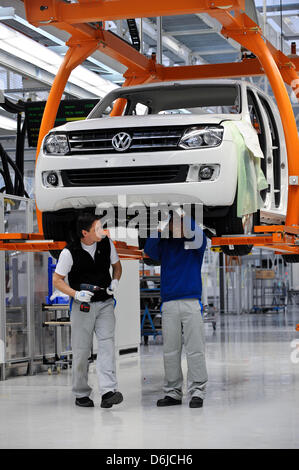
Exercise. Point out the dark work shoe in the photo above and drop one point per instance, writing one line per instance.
(111, 398)
(84, 401)
(196, 402)
(168, 401)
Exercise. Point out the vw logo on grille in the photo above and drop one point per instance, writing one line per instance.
(121, 141)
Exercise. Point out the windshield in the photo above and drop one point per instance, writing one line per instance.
(175, 99)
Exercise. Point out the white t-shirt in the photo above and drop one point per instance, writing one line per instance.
(65, 260)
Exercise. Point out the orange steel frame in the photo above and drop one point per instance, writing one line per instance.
(35, 242)
(85, 39)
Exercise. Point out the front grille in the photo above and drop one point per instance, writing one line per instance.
(125, 176)
(143, 140)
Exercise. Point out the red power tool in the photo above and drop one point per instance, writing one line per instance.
(85, 307)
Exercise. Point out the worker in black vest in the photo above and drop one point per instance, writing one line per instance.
(88, 261)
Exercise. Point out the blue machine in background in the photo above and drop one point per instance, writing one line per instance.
(58, 299)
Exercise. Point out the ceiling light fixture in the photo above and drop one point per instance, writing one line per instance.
(8, 124)
(27, 49)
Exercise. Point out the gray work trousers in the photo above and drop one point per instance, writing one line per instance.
(101, 320)
(175, 314)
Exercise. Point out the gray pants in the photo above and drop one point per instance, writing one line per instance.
(101, 320)
(175, 314)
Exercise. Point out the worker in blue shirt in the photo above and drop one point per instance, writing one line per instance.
(181, 260)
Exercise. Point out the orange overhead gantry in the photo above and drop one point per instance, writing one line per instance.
(35, 242)
(84, 22)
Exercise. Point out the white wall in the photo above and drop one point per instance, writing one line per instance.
(295, 271)
(127, 310)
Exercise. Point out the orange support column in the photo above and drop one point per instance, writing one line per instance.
(118, 107)
(291, 77)
(121, 102)
(253, 40)
(75, 55)
(288, 122)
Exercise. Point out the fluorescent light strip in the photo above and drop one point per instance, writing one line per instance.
(8, 124)
(59, 42)
(27, 49)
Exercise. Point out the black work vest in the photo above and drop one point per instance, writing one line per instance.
(87, 270)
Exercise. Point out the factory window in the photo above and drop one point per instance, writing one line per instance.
(258, 124)
(174, 99)
(275, 149)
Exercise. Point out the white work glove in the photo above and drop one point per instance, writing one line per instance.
(112, 289)
(58, 293)
(163, 224)
(180, 212)
(83, 296)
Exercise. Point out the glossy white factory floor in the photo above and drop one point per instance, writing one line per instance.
(252, 399)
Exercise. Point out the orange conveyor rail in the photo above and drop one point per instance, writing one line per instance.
(75, 19)
(279, 238)
(35, 242)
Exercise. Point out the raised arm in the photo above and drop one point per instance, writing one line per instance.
(60, 284)
(153, 246)
(116, 270)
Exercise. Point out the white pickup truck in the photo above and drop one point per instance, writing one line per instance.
(171, 143)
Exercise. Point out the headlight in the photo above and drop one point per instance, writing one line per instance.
(206, 172)
(202, 136)
(56, 144)
(51, 179)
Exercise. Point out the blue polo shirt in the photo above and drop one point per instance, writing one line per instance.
(180, 267)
